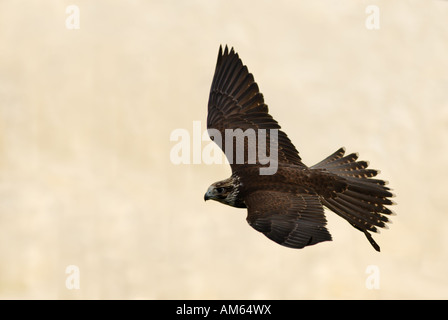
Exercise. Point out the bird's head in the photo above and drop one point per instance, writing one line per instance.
(225, 191)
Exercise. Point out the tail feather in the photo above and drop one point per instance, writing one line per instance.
(363, 202)
(349, 167)
(331, 158)
(360, 173)
(347, 162)
(359, 200)
(366, 188)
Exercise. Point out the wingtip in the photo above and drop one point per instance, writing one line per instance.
(226, 51)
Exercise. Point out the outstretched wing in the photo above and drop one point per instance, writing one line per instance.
(236, 103)
(292, 220)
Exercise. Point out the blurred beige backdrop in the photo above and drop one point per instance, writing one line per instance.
(85, 122)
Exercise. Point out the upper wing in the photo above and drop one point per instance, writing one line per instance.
(292, 220)
(236, 103)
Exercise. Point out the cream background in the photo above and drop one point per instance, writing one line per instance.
(85, 172)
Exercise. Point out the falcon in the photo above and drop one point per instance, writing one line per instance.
(288, 205)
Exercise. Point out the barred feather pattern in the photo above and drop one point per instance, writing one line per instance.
(363, 202)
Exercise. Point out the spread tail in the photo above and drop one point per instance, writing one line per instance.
(363, 202)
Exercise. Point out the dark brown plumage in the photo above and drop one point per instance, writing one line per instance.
(287, 206)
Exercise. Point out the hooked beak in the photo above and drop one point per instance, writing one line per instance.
(208, 195)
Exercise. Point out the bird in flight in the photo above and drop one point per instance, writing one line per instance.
(287, 206)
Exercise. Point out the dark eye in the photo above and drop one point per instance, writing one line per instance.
(219, 190)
